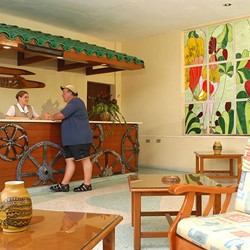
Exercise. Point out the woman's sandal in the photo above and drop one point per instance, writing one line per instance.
(83, 188)
(60, 187)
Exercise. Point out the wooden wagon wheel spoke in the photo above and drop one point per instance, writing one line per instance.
(44, 171)
(33, 160)
(111, 159)
(15, 140)
(56, 158)
(98, 136)
(28, 174)
(130, 147)
(44, 153)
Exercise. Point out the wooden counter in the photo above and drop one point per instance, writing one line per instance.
(32, 151)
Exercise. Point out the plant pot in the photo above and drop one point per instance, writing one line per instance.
(105, 116)
(16, 207)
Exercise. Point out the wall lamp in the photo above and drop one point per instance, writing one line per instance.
(43, 50)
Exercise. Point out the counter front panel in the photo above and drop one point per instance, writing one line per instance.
(32, 151)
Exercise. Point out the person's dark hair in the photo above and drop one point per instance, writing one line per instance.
(21, 93)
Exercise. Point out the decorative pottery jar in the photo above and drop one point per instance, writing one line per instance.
(15, 207)
(217, 147)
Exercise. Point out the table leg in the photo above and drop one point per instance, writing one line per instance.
(137, 220)
(197, 164)
(132, 208)
(201, 165)
(231, 161)
(109, 241)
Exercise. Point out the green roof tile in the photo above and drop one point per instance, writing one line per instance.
(26, 35)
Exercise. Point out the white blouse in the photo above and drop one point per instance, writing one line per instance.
(11, 111)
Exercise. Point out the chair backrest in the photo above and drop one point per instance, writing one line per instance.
(242, 203)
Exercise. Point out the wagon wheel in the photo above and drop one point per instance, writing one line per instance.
(13, 142)
(98, 136)
(49, 153)
(110, 158)
(130, 147)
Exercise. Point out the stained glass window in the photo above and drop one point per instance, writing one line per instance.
(217, 79)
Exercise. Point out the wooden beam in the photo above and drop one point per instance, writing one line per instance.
(91, 71)
(61, 65)
(114, 63)
(21, 60)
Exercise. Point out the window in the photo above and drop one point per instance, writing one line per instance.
(217, 79)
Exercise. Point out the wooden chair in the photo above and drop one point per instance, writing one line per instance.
(217, 230)
(190, 191)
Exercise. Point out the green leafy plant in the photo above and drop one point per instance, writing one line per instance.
(104, 104)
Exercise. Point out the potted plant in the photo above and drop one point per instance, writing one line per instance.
(105, 107)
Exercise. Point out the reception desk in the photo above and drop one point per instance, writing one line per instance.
(32, 151)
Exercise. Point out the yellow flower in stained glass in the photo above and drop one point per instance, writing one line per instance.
(214, 75)
(194, 51)
(187, 78)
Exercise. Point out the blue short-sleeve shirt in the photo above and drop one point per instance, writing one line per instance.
(75, 127)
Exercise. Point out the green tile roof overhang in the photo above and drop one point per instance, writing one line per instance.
(73, 50)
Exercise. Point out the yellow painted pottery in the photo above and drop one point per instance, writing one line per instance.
(15, 207)
(217, 147)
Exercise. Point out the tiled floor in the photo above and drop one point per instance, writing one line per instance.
(111, 195)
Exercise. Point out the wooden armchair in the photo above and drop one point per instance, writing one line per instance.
(176, 241)
(222, 230)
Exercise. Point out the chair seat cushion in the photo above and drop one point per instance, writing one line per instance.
(217, 232)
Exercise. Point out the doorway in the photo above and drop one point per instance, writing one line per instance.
(93, 89)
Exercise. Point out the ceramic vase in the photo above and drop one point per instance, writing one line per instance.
(217, 147)
(15, 207)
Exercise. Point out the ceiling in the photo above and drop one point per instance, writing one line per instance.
(123, 20)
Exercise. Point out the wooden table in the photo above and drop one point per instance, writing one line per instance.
(54, 230)
(156, 185)
(201, 156)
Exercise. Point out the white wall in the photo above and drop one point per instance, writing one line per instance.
(155, 96)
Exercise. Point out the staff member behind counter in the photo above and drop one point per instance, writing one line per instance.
(22, 110)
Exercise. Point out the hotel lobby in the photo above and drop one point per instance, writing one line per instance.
(145, 73)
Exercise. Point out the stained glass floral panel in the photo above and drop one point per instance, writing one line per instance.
(222, 118)
(243, 117)
(220, 42)
(195, 84)
(221, 82)
(243, 77)
(217, 79)
(242, 38)
(195, 47)
(193, 119)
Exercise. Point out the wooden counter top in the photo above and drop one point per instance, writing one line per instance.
(49, 121)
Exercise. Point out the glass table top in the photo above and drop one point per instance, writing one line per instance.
(59, 230)
(164, 181)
